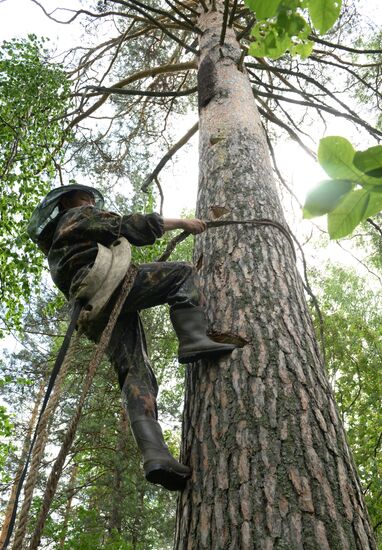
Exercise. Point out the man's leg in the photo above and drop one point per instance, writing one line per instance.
(175, 283)
(128, 354)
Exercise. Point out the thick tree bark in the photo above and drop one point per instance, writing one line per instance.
(271, 465)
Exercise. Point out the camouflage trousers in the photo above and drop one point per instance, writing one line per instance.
(173, 283)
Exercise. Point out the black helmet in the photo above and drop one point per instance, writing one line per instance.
(48, 209)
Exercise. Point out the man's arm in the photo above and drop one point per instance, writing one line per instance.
(194, 226)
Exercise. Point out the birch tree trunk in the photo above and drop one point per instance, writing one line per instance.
(271, 465)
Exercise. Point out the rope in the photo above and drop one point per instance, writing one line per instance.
(39, 446)
(219, 223)
(57, 468)
(56, 369)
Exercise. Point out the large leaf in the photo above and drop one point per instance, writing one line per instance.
(369, 161)
(325, 197)
(348, 214)
(324, 13)
(263, 8)
(335, 154)
(374, 205)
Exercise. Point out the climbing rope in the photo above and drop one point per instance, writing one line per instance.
(40, 443)
(220, 223)
(57, 365)
(56, 471)
(43, 419)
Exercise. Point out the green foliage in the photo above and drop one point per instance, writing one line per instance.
(282, 25)
(325, 197)
(353, 342)
(33, 98)
(6, 431)
(355, 191)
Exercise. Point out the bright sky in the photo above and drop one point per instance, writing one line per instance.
(20, 17)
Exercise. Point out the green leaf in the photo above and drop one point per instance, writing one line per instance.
(369, 161)
(272, 45)
(348, 214)
(335, 154)
(324, 13)
(325, 197)
(263, 8)
(304, 50)
(291, 24)
(374, 205)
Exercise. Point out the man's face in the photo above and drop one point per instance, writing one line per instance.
(75, 199)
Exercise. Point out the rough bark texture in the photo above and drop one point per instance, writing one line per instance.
(271, 465)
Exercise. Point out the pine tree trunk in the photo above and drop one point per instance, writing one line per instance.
(271, 465)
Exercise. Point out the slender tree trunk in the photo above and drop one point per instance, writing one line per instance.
(271, 466)
(68, 507)
(24, 452)
(118, 496)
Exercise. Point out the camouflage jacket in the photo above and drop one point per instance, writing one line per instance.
(74, 248)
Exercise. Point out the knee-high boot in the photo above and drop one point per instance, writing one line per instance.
(159, 465)
(191, 329)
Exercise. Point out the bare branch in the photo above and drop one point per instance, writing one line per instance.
(156, 22)
(277, 71)
(270, 115)
(373, 131)
(168, 156)
(225, 21)
(341, 47)
(146, 93)
(191, 24)
(375, 225)
(163, 69)
(76, 13)
(232, 16)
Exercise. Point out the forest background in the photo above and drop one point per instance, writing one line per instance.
(103, 501)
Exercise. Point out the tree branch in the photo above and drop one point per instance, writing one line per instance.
(168, 156)
(76, 13)
(146, 93)
(373, 131)
(268, 114)
(163, 28)
(145, 73)
(340, 47)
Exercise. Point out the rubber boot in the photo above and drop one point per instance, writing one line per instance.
(191, 328)
(159, 465)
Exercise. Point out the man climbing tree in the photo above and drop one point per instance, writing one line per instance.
(69, 226)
